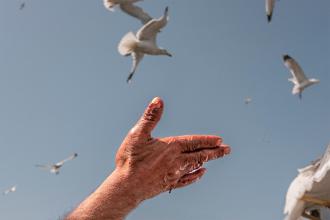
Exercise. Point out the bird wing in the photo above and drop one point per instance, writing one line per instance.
(44, 167)
(296, 71)
(302, 183)
(149, 31)
(136, 12)
(324, 167)
(321, 179)
(67, 159)
(137, 57)
(269, 8)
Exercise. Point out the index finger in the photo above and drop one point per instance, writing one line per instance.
(193, 143)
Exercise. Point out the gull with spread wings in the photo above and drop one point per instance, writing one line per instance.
(10, 190)
(130, 8)
(299, 78)
(144, 42)
(247, 100)
(310, 191)
(55, 168)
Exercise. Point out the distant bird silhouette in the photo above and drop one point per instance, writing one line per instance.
(299, 79)
(270, 4)
(144, 42)
(10, 190)
(55, 168)
(22, 6)
(310, 189)
(130, 8)
(247, 100)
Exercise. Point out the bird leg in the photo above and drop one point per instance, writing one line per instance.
(320, 202)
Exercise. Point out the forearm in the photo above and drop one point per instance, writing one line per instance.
(113, 200)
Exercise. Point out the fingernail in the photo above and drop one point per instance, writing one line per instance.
(156, 101)
(155, 105)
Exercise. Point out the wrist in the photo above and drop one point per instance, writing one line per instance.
(121, 184)
(112, 200)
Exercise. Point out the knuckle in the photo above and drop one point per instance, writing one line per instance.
(202, 158)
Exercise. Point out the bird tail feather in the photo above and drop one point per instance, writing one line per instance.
(127, 44)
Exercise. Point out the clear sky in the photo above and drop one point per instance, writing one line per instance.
(63, 90)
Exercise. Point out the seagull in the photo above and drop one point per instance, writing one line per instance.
(144, 42)
(128, 7)
(247, 100)
(270, 4)
(299, 79)
(55, 168)
(22, 6)
(310, 189)
(10, 190)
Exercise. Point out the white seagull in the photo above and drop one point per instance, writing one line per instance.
(10, 190)
(247, 100)
(55, 168)
(270, 4)
(144, 42)
(310, 190)
(128, 7)
(299, 79)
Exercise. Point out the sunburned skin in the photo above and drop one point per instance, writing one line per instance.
(147, 166)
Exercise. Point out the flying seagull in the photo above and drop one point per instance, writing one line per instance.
(247, 100)
(310, 190)
(10, 190)
(130, 8)
(144, 42)
(270, 4)
(55, 168)
(299, 79)
(22, 6)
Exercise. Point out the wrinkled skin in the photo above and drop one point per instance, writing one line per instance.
(147, 166)
(160, 164)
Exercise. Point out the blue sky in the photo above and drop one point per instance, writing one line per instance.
(63, 90)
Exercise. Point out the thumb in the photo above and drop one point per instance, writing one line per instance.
(149, 119)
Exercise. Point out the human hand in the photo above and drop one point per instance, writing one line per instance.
(155, 165)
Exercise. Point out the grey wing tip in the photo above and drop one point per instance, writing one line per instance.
(75, 155)
(286, 57)
(166, 10)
